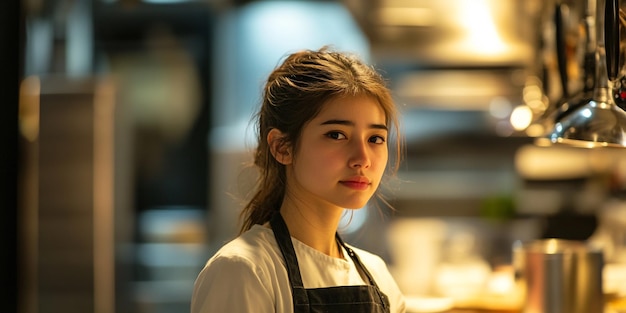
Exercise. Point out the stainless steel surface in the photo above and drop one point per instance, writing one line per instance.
(598, 123)
(560, 276)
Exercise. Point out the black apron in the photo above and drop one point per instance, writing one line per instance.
(340, 299)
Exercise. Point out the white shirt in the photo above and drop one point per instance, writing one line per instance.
(248, 275)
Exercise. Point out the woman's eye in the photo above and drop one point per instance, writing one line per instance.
(377, 139)
(336, 135)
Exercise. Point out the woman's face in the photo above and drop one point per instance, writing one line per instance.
(342, 154)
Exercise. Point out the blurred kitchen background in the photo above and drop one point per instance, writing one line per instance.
(125, 170)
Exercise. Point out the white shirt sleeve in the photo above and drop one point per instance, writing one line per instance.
(231, 284)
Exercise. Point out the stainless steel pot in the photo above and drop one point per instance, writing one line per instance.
(559, 276)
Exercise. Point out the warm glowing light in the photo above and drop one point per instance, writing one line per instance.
(501, 283)
(521, 117)
(552, 246)
(532, 93)
(482, 33)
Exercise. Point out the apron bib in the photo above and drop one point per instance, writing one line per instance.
(339, 299)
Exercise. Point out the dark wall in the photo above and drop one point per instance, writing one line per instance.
(181, 177)
(11, 46)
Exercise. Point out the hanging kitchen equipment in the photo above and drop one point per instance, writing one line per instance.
(569, 104)
(598, 122)
(619, 89)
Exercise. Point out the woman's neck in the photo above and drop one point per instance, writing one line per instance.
(314, 226)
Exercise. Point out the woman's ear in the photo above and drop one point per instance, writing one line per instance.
(279, 148)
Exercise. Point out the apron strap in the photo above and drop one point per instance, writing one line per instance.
(357, 261)
(361, 268)
(281, 233)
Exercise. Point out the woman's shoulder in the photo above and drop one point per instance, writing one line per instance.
(242, 276)
(254, 245)
(252, 255)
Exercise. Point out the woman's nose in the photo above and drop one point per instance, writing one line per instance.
(359, 155)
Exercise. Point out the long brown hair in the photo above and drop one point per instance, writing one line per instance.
(293, 95)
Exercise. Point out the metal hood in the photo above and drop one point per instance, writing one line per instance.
(451, 33)
(459, 55)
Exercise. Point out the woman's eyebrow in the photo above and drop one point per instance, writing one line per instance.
(350, 123)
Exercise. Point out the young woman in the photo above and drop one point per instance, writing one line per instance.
(323, 131)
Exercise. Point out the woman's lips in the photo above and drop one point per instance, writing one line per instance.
(355, 185)
(358, 183)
